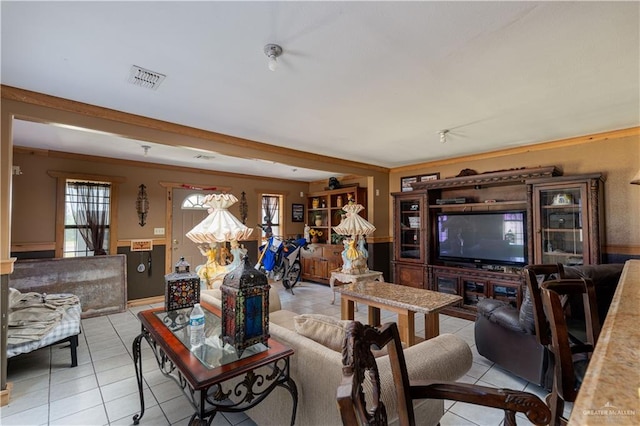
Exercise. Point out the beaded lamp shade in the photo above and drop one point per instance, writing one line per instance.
(245, 307)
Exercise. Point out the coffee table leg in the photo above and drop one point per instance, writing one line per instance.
(346, 308)
(374, 316)
(407, 328)
(332, 280)
(431, 325)
(137, 362)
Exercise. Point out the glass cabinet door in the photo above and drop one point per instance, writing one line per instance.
(409, 228)
(561, 225)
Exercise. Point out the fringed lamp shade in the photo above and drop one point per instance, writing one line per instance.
(219, 226)
(245, 307)
(355, 254)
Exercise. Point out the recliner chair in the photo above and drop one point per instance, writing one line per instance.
(507, 335)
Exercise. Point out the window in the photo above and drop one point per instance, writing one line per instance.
(194, 202)
(86, 218)
(271, 214)
(513, 229)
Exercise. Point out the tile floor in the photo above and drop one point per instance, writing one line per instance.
(102, 389)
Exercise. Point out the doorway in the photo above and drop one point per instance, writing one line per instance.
(187, 212)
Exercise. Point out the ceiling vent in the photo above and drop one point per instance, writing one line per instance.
(145, 78)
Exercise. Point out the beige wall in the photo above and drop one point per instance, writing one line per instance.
(615, 154)
(34, 195)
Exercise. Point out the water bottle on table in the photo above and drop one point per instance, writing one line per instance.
(196, 326)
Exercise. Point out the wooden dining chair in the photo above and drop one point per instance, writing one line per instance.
(546, 272)
(571, 359)
(361, 384)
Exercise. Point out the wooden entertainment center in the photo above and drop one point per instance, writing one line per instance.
(562, 224)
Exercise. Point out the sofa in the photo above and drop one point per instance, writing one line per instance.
(506, 335)
(317, 368)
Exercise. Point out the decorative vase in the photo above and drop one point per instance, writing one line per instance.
(314, 239)
(339, 201)
(318, 221)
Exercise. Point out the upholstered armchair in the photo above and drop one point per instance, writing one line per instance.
(507, 335)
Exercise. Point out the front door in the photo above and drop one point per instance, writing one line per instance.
(184, 219)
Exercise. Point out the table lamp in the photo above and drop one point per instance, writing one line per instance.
(220, 226)
(355, 228)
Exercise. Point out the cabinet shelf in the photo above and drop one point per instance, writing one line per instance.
(494, 204)
(561, 253)
(562, 207)
(561, 229)
(324, 256)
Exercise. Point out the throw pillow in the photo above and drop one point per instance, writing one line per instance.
(326, 330)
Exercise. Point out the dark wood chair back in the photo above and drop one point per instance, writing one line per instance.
(570, 358)
(361, 384)
(531, 273)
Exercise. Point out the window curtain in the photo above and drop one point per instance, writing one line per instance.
(270, 207)
(91, 213)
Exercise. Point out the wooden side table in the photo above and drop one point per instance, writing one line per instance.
(351, 278)
(203, 373)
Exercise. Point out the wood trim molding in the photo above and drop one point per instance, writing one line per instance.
(86, 176)
(145, 301)
(39, 246)
(6, 266)
(621, 249)
(195, 186)
(578, 140)
(87, 110)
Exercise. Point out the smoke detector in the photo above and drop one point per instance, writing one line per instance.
(148, 79)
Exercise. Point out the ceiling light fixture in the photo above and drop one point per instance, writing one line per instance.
(443, 136)
(272, 51)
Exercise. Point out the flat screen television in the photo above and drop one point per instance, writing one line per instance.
(484, 238)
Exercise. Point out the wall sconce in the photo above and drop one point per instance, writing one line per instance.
(244, 209)
(142, 205)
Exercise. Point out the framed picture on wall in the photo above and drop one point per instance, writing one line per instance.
(297, 212)
(432, 176)
(405, 183)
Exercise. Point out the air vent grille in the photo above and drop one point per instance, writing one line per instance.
(145, 78)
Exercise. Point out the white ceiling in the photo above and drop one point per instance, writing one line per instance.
(367, 81)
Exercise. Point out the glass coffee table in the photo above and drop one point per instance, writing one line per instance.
(213, 377)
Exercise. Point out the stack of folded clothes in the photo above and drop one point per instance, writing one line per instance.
(33, 315)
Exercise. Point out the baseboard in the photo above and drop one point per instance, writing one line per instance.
(5, 395)
(145, 301)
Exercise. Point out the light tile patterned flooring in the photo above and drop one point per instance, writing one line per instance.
(102, 389)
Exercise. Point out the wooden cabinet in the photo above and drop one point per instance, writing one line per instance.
(474, 285)
(324, 209)
(563, 224)
(319, 260)
(409, 255)
(567, 213)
